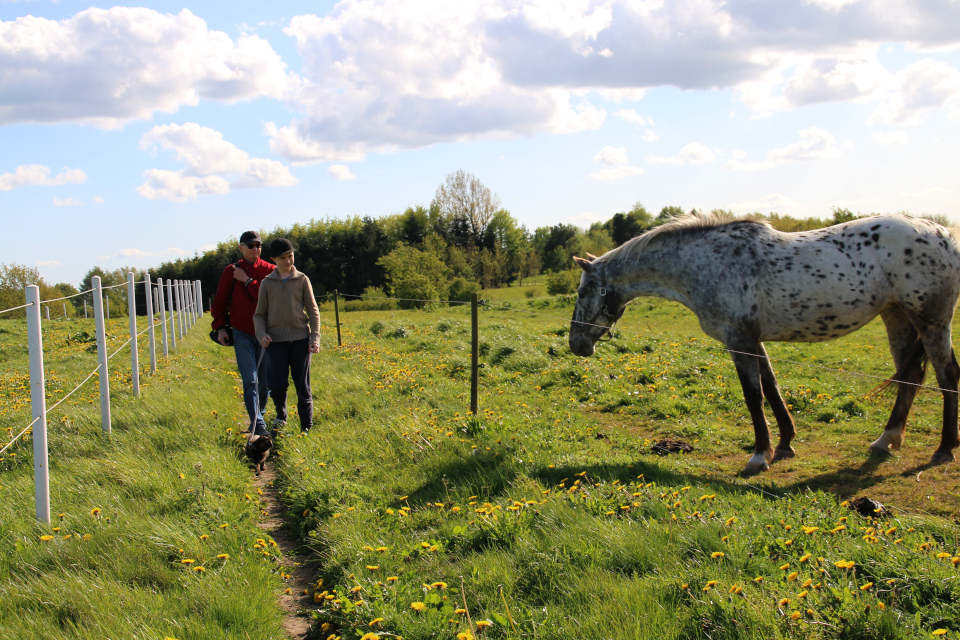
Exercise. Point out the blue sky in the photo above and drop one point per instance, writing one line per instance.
(133, 135)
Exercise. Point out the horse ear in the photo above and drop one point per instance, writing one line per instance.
(583, 264)
(591, 256)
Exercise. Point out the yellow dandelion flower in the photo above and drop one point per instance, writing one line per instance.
(46, 538)
(373, 567)
(717, 554)
(439, 585)
(223, 556)
(199, 569)
(224, 525)
(459, 612)
(392, 579)
(95, 511)
(795, 615)
(483, 624)
(785, 602)
(866, 586)
(758, 579)
(939, 632)
(417, 606)
(464, 635)
(805, 558)
(785, 567)
(187, 561)
(735, 590)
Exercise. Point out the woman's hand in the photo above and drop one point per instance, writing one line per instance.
(315, 348)
(266, 341)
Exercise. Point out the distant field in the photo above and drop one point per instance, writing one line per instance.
(547, 515)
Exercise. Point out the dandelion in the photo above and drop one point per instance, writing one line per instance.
(785, 567)
(939, 632)
(439, 585)
(866, 586)
(459, 612)
(758, 579)
(223, 556)
(483, 624)
(717, 554)
(844, 564)
(373, 567)
(417, 606)
(736, 590)
(785, 602)
(187, 561)
(370, 636)
(199, 569)
(805, 558)
(392, 579)
(795, 615)
(46, 538)
(95, 512)
(464, 635)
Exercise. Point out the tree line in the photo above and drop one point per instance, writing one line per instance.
(464, 241)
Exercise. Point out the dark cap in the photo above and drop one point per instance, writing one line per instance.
(279, 247)
(250, 236)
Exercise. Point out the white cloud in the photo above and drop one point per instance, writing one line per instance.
(693, 153)
(918, 89)
(633, 117)
(98, 200)
(48, 263)
(585, 218)
(612, 155)
(139, 253)
(108, 66)
(650, 136)
(815, 144)
(39, 175)
(214, 166)
(615, 173)
(67, 202)
(894, 137)
(340, 172)
(775, 202)
(932, 191)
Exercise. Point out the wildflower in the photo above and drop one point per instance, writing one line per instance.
(392, 579)
(224, 525)
(204, 537)
(370, 636)
(805, 558)
(802, 594)
(464, 635)
(483, 624)
(793, 576)
(844, 564)
(785, 602)
(866, 586)
(758, 579)
(717, 554)
(795, 615)
(459, 612)
(46, 538)
(785, 567)
(199, 569)
(223, 556)
(735, 590)
(373, 567)
(439, 585)
(810, 530)
(95, 511)
(417, 606)
(187, 561)
(939, 632)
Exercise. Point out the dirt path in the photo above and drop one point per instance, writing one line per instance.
(302, 571)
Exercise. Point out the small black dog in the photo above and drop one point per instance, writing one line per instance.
(257, 450)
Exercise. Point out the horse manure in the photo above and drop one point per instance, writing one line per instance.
(869, 508)
(667, 446)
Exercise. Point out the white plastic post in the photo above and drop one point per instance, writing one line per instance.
(108, 306)
(188, 303)
(38, 403)
(134, 350)
(156, 298)
(199, 299)
(179, 297)
(47, 308)
(64, 310)
(170, 308)
(163, 316)
(148, 290)
(105, 422)
(85, 309)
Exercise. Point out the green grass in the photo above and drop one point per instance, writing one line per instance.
(548, 516)
(130, 509)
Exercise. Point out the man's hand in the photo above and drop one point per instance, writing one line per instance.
(239, 274)
(315, 348)
(266, 341)
(222, 338)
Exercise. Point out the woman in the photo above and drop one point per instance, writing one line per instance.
(287, 322)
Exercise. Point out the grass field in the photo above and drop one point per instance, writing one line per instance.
(547, 515)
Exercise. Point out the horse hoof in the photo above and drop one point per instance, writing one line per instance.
(942, 457)
(880, 451)
(784, 454)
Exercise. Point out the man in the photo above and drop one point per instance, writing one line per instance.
(233, 306)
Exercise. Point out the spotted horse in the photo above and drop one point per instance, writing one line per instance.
(749, 284)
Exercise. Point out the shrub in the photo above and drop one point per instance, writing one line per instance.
(562, 282)
(462, 289)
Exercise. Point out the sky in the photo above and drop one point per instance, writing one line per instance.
(134, 135)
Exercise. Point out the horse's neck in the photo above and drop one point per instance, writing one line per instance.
(661, 273)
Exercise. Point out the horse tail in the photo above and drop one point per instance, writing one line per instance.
(912, 370)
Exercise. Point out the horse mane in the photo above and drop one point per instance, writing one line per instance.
(680, 225)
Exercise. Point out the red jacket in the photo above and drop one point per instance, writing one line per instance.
(242, 298)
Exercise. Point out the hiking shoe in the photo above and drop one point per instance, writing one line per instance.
(278, 424)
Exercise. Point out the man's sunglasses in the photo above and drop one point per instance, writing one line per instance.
(256, 245)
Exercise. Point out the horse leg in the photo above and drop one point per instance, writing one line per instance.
(908, 360)
(771, 391)
(748, 371)
(938, 343)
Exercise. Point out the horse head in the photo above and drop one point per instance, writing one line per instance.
(598, 307)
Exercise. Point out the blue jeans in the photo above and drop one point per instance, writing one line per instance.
(255, 390)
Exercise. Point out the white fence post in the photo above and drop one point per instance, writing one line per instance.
(179, 297)
(102, 355)
(163, 316)
(85, 309)
(108, 306)
(148, 290)
(170, 308)
(64, 310)
(188, 302)
(38, 404)
(47, 309)
(199, 299)
(134, 350)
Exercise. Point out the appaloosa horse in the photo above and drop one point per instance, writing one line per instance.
(749, 284)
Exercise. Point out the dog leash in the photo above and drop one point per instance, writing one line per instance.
(256, 390)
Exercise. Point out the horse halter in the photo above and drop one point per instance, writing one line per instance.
(605, 309)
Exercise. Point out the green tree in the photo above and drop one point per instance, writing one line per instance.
(415, 275)
(462, 197)
(14, 279)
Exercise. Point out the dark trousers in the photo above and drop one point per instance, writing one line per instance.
(292, 357)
